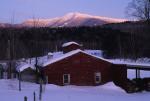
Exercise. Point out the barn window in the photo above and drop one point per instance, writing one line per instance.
(66, 79)
(97, 77)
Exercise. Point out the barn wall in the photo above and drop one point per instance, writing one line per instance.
(81, 68)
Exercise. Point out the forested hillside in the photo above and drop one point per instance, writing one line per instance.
(136, 27)
(29, 42)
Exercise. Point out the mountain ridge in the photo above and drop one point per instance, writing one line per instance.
(73, 19)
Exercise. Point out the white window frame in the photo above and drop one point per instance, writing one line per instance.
(68, 79)
(97, 74)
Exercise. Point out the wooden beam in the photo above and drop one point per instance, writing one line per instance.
(136, 72)
(139, 68)
(139, 74)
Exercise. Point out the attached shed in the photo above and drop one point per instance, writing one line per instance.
(27, 72)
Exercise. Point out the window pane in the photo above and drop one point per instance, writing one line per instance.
(66, 78)
(97, 77)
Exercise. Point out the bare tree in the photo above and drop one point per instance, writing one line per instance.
(139, 9)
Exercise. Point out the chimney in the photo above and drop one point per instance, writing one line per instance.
(49, 55)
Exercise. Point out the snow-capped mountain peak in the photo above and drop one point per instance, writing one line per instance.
(76, 14)
(71, 20)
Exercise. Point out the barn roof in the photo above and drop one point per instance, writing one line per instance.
(22, 67)
(128, 64)
(70, 54)
(70, 43)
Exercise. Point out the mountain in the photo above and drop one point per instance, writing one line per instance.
(4, 25)
(71, 20)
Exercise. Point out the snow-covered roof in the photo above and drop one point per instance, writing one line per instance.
(113, 61)
(22, 67)
(131, 64)
(70, 54)
(70, 43)
(138, 65)
(57, 56)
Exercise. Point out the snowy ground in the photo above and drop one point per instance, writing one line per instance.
(108, 92)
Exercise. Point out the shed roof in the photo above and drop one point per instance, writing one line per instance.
(22, 67)
(131, 64)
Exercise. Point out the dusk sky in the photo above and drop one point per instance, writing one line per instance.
(26, 9)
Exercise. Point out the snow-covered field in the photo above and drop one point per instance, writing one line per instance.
(108, 92)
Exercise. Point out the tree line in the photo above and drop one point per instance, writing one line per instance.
(30, 42)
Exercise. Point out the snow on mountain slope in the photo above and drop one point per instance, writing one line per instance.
(72, 19)
(39, 22)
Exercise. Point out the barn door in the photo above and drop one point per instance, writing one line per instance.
(66, 79)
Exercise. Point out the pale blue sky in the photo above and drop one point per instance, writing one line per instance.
(26, 9)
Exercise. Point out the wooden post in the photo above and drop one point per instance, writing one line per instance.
(25, 98)
(139, 73)
(136, 74)
(19, 81)
(34, 96)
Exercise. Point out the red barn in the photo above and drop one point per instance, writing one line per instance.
(77, 67)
